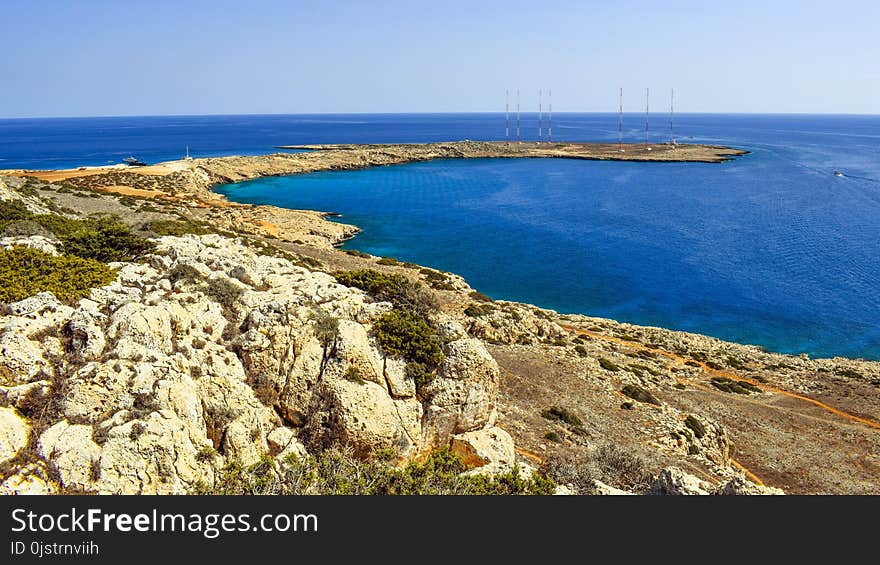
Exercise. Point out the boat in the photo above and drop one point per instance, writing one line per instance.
(187, 158)
(838, 174)
(133, 162)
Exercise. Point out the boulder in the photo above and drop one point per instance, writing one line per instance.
(488, 451)
(71, 450)
(675, 482)
(463, 396)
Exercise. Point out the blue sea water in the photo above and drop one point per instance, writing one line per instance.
(771, 248)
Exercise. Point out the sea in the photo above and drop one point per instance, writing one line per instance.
(779, 248)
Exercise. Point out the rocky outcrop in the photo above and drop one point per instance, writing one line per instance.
(675, 482)
(739, 486)
(210, 353)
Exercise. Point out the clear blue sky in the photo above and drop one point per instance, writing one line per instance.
(97, 57)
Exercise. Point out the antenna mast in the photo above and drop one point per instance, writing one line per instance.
(517, 117)
(647, 113)
(540, 132)
(620, 123)
(507, 117)
(550, 117)
(671, 115)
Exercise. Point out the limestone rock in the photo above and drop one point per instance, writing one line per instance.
(675, 482)
(39, 242)
(14, 432)
(70, 449)
(740, 486)
(488, 451)
(364, 417)
(601, 489)
(462, 397)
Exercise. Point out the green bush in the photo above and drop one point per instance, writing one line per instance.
(407, 335)
(608, 365)
(478, 310)
(106, 239)
(102, 238)
(338, 472)
(353, 374)
(388, 261)
(695, 426)
(177, 227)
(553, 436)
(638, 393)
(725, 384)
(734, 362)
(580, 350)
(384, 286)
(563, 415)
(25, 272)
(479, 296)
(12, 210)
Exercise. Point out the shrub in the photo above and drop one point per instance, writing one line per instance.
(389, 261)
(478, 310)
(13, 210)
(25, 272)
(563, 415)
(608, 365)
(353, 374)
(226, 293)
(103, 238)
(650, 370)
(695, 426)
(106, 239)
(553, 436)
(339, 472)
(479, 296)
(848, 373)
(638, 393)
(384, 286)
(734, 362)
(409, 336)
(624, 467)
(177, 227)
(326, 327)
(726, 384)
(580, 350)
(24, 228)
(206, 454)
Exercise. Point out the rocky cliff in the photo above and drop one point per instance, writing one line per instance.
(209, 353)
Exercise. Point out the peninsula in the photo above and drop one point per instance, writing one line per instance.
(241, 332)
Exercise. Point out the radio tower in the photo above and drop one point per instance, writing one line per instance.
(506, 117)
(620, 123)
(550, 117)
(671, 115)
(540, 133)
(647, 113)
(517, 117)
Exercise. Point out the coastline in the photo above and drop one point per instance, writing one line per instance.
(547, 357)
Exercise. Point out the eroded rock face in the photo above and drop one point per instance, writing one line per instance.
(209, 353)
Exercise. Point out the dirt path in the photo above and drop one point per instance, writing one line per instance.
(727, 374)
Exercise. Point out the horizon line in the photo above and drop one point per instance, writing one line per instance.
(429, 113)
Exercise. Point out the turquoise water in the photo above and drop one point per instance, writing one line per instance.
(771, 249)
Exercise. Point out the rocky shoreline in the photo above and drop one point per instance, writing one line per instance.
(699, 414)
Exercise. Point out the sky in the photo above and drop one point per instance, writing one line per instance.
(98, 57)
